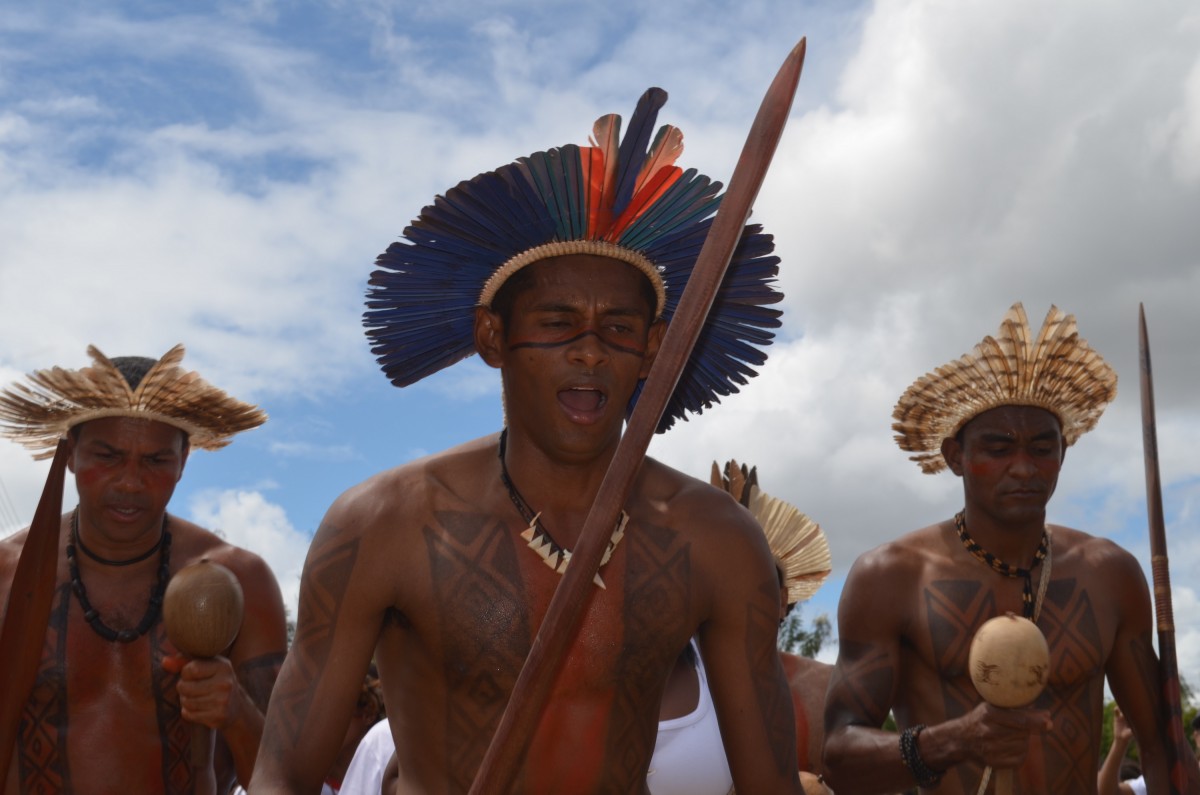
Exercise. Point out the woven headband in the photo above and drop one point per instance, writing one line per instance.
(622, 198)
(1058, 371)
(39, 413)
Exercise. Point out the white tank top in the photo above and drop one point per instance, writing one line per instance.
(688, 757)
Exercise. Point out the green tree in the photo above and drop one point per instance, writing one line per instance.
(795, 638)
(1187, 696)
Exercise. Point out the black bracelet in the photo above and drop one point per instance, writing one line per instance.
(926, 777)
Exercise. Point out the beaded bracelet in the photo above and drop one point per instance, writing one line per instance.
(926, 777)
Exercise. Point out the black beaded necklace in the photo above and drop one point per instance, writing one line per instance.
(107, 561)
(156, 594)
(536, 535)
(1027, 602)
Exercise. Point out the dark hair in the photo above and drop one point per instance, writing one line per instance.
(1129, 769)
(522, 280)
(370, 703)
(133, 369)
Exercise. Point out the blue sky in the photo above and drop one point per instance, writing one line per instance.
(225, 176)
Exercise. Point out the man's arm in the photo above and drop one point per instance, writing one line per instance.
(858, 755)
(1108, 780)
(230, 693)
(1132, 666)
(738, 643)
(319, 683)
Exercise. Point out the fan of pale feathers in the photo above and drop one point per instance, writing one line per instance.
(38, 413)
(796, 541)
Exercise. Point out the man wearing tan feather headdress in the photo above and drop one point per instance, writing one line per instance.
(114, 705)
(999, 418)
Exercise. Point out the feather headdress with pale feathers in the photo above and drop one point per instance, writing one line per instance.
(39, 413)
(797, 542)
(621, 198)
(1058, 371)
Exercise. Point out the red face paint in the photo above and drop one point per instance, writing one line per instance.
(125, 472)
(1010, 459)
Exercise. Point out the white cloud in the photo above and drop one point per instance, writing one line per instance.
(335, 452)
(248, 520)
(971, 157)
(943, 161)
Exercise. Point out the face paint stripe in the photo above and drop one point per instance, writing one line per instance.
(559, 343)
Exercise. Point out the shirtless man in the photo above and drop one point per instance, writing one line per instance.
(428, 565)
(1001, 420)
(114, 705)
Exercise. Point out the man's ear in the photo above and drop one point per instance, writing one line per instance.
(952, 452)
(183, 457)
(71, 452)
(489, 336)
(654, 338)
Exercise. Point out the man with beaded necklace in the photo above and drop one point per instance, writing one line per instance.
(560, 270)
(114, 704)
(1001, 419)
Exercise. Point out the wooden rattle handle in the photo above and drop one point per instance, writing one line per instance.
(1008, 660)
(202, 761)
(202, 613)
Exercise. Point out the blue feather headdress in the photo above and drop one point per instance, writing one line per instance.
(621, 198)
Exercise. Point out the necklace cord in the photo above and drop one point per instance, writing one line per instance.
(539, 539)
(153, 608)
(1028, 608)
(107, 561)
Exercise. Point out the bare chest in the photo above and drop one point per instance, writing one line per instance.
(1079, 631)
(89, 692)
(492, 594)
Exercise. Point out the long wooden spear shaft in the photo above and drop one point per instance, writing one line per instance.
(1180, 753)
(28, 611)
(554, 637)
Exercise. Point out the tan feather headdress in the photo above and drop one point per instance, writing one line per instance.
(1058, 372)
(38, 413)
(797, 542)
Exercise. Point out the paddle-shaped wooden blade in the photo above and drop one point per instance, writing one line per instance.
(559, 627)
(28, 610)
(1182, 763)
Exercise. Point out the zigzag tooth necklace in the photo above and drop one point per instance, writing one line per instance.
(538, 538)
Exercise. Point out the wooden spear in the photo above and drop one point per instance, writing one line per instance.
(554, 637)
(28, 612)
(1180, 757)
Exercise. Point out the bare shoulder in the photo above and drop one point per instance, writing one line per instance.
(404, 496)
(692, 505)
(906, 558)
(191, 543)
(1094, 559)
(880, 599)
(806, 675)
(10, 552)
